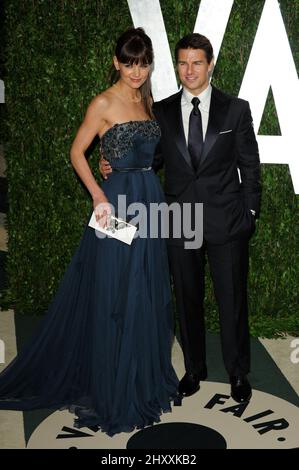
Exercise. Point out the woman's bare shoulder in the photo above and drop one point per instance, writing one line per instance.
(103, 101)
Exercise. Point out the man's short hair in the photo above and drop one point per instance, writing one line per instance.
(195, 41)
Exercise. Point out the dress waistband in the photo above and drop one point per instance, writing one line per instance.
(132, 169)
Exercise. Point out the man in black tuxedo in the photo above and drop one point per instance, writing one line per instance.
(207, 136)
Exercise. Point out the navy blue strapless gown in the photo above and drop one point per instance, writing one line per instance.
(103, 350)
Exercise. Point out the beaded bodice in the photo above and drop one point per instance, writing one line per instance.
(130, 143)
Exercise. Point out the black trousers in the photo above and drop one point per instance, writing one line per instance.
(229, 268)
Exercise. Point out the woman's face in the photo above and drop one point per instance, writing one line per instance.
(133, 75)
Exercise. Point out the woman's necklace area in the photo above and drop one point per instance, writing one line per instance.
(127, 98)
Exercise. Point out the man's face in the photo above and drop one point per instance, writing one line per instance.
(193, 69)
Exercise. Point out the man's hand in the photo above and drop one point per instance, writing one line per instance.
(105, 168)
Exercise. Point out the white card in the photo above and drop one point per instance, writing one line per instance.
(118, 229)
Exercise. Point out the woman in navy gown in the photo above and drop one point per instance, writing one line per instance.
(103, 350)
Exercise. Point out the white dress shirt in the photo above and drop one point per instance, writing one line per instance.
(204, 107)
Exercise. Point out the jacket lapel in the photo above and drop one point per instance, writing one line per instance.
(174, 114)
(217, 116)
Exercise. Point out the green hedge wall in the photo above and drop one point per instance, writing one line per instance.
(57, 57)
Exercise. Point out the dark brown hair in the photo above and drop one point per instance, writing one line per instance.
(135, 47)
(195, 41)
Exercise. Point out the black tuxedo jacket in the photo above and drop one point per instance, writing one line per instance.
(230, 144)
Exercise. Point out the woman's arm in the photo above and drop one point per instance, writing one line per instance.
(90, 127)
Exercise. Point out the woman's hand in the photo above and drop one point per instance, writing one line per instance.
(102, 209)
(105, 168)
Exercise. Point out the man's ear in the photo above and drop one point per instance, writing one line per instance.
(115, 62)
(211, 67)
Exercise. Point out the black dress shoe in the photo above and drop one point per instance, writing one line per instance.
(190, 383)
(240, 388)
